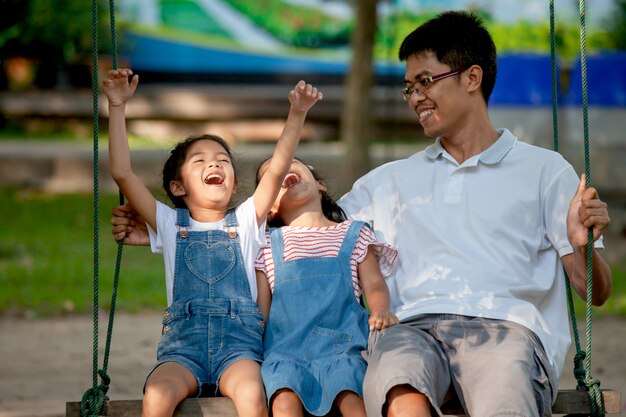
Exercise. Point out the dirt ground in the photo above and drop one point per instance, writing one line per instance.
(46, 363)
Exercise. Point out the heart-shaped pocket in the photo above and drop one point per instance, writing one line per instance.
(210, 263)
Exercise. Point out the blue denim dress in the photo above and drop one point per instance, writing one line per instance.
(317, 329)
(212, 321)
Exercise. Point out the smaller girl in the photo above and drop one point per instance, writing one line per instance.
(212, 327)
(316, 267)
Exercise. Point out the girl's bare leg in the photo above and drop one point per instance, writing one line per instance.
(241, 382)
(167, 386)
(350, 404)
(286, 403)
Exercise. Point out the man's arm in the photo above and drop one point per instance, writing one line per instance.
(587, 211)
(129, 226)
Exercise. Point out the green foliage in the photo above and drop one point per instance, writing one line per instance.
(46, 257)
(616, 304)
(187, 15)
(58, 28)
(297, 26)
(522, 36)
(617, 25)
(392, 30)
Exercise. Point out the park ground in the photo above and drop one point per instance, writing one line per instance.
(45, 363)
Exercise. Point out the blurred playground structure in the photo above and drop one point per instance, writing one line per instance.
(225, 66)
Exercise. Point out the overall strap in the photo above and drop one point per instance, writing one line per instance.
(182, 217)
(230, 219)
(230, 223)
(351, 237)
(278, 247)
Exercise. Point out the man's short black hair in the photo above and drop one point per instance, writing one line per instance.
(458, 39)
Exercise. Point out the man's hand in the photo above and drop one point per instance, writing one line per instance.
(586, 210)
(129, 226)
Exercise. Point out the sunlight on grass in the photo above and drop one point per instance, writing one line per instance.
(47, 258)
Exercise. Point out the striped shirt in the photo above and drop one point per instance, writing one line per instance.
(319, 242)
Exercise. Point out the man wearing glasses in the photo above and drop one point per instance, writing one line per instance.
(484, 225)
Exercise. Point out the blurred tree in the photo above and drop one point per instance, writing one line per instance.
(356, 118)
(53, 33)
(618, 25)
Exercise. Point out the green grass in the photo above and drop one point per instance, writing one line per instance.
(46, 260)
(616, 304)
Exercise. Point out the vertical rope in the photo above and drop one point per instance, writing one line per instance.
(113, 33)
(92, 401)
(597, 406)
(580, 355)
(120, 245)
(582, 359)
(94, 84)
(555, 94)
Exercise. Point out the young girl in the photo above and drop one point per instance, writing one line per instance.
(316, 267)
(212, 327)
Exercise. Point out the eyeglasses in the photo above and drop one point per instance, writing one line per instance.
(422, 84)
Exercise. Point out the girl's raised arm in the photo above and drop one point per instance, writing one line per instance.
(302, 98)
(119, 90)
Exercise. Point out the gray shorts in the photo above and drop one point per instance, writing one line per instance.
(495, 367)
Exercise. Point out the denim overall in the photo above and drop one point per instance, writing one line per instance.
(317, 329)
(212, 321)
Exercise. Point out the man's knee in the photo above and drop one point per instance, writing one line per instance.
(404, 400)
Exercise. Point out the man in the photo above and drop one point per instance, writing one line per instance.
(484, 225)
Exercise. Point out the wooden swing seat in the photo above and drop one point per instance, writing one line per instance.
(569, 402)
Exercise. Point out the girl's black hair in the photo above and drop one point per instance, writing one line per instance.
(178, 155)
(330, 208)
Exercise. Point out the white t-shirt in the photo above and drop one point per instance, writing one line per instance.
(251, 237)
(481, 239)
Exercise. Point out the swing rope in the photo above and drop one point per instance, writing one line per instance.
(93, 399)
(582, 358)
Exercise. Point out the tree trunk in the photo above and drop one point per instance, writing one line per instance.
(356, 120)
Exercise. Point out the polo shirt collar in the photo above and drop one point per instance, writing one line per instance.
(489, 156)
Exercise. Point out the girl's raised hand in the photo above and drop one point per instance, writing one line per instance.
(118, 87)
(304, 96)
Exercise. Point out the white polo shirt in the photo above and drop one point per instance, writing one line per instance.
(483, 238)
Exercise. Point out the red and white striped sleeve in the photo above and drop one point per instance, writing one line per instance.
(385, 254)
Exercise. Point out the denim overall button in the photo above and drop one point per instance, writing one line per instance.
(166, 329)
